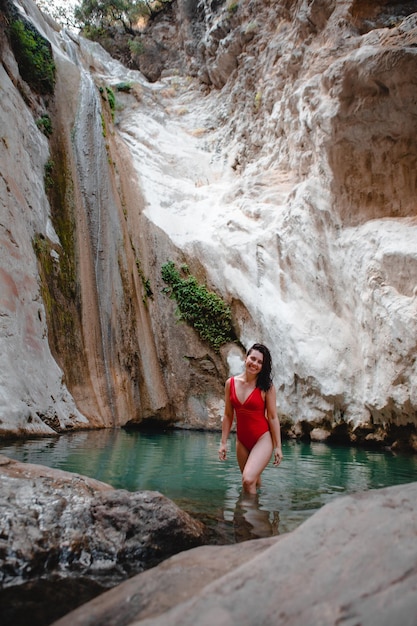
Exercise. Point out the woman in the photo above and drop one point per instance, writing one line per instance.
(252, 397)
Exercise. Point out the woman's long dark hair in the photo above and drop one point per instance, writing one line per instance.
(264, 380)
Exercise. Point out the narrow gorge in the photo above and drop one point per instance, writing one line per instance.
(276, 162)
(261, 154)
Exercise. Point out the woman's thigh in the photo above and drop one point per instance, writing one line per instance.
(259, 456)
(242, 454)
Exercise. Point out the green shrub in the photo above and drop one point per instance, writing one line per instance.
(108, 96)
(146, 283)
(232, 6)
(204, 310)
(34, 57)
(47, 178)
(45, 125)
(125, 87)
(136, 46)
(94, 33)
(103, 126)
(111, 99)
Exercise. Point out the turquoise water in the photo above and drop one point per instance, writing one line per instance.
(183, 465)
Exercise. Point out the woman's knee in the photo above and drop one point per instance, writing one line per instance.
(249, 482)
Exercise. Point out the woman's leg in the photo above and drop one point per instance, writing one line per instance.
(242, 454)
(256, 462)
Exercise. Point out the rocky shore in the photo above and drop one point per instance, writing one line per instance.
(76, 552)
(353, 562)
(65, 538)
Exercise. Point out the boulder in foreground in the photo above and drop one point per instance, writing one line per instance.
(352, 562)
(72, 537)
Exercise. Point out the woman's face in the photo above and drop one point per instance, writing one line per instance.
(254, 361)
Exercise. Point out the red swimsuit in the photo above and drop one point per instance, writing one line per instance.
(250, 416)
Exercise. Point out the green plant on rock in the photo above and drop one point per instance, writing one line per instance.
(45, 125)
(111, 99)
(93, 15)
(34, 57)
(57, 281)
(136, 46)
(95, 33)
(146, 283)
(47, 177)
(103, 126)
(204, 310)
(42, 250)
(232, 6)
(124, 87)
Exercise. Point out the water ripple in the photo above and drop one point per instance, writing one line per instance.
(184, 466)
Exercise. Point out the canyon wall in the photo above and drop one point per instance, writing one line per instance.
(280, 167)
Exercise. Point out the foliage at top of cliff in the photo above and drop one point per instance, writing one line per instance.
(63, 14)
(101, 15)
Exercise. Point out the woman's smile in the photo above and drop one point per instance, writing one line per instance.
(255, 361)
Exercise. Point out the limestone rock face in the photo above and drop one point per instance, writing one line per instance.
(82, 342)
(34, 398)
(281, 171)
(71, 533)
(353, 560)
(314, 119)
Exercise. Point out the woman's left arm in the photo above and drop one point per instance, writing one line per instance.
(274, 425)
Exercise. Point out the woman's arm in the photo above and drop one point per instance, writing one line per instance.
(227, 421)
(274, 425)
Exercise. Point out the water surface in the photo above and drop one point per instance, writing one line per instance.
(183, 465)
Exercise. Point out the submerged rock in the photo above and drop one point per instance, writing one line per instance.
(73, 536)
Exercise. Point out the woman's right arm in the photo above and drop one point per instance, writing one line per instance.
(226, 422)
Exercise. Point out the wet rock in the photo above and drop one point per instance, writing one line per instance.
(64, 531)
(319, 434)
(177, 579)
(351, 562)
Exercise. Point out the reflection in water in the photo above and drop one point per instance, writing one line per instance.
(251, 522)
(183, 465)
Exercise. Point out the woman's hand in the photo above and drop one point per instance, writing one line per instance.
(223, 452)
(277, 455)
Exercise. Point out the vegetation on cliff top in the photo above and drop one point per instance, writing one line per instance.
(100, 15)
